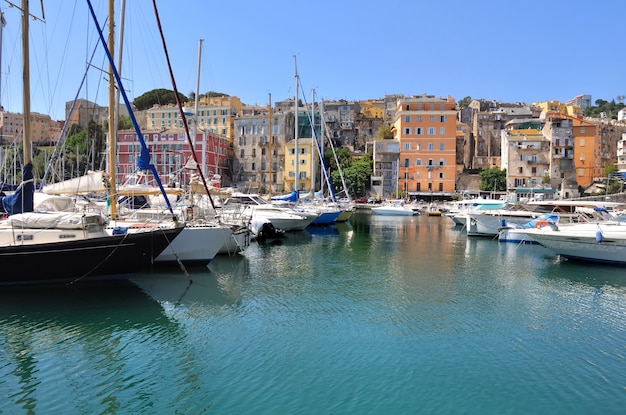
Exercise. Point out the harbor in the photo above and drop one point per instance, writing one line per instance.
(380, 314)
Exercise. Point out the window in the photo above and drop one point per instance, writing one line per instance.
(441, 187)
(431, 118)
(407, 131)
(419, 146)
(441, 146)
(253, 166)
(407, 146)
(443, 118)
(407, 118)
(442, 162)
(442, 130)
(406, 163)
(241, 153)
(431, 162)
(441, 175)
(419, 118)
(419, 131)
(418, 162)
(430, 146)
(581, 142)
(582, 156)
(432, 131)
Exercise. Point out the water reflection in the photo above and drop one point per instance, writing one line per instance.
(51, 336)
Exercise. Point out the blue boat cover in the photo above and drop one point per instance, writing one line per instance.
(292, 197)
(22, 199)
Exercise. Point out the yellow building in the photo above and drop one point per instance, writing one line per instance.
(42, 128)
(371, 108)
(216, 115)
(303, 164)
(426, 129)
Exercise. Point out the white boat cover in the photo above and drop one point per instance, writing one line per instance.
(59, 220)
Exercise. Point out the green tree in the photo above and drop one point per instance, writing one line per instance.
(159, 96)
(493, 179)
(464, 102)
(356, 171)
(610, 108)
(609, 169)
(384, 133)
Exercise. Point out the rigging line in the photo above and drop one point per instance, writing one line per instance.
(317, 144)
(55, 154)
(144, 157)
(180, 105)
(101, 262)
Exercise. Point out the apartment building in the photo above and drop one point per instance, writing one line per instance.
(557, 127)
(621, 154)
(216, 115)
(587, 150)
(386, 155)
(42, 128)
(488, 121)
(525, 153)
(425, 127)
(259, 148)
(170, 152)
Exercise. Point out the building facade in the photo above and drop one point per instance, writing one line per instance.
(426, 130)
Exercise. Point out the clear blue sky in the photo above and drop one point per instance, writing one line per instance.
(513, 51)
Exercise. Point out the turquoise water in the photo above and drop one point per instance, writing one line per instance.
(383, 315)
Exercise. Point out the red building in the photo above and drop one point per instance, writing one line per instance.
(170, 152)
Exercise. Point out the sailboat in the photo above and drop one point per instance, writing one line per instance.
(68, 247)
(199, 240)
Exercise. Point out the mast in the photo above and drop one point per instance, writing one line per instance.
(270, 130)
(119, 63)
(112, 139)
(195, 112)
(295, 104)
(26, 84)
(2, 24)
(313, 143)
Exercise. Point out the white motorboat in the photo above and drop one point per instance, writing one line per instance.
(490, 222)
(457, 211)
(395, 208)
(252, 206)
(602, 241)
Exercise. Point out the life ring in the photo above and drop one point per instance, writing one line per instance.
(541, 223)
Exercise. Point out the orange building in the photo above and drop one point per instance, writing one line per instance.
(426, 129)
(587, 150)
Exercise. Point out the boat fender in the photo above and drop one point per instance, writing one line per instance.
(502, 223)
(120, 230)
(598, 236)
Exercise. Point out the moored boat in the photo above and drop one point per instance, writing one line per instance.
(394, 208)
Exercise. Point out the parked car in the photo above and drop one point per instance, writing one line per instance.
(361, 200)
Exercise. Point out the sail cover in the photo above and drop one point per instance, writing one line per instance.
(291, 197)
(92, 182)
(22, 199)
